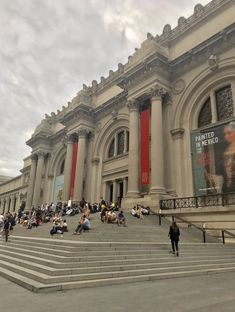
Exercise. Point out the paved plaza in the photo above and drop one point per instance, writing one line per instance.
(200, 294)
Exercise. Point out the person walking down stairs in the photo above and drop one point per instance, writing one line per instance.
(174, 235)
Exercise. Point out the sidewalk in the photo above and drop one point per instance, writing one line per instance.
(213, 293)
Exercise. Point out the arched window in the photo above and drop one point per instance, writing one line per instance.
(62, 167)
(205, 115)
(111, 149)
(120, 142)
(224, 103)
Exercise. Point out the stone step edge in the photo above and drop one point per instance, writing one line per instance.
(38, 287)
(120, 267)
(72, 242)
(46, 279)
(20, 252)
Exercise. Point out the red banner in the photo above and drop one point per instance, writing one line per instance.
(144, 146)
(73, 170)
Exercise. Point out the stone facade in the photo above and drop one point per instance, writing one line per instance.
(92, 146)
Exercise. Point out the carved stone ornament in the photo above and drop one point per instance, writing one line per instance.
(213, 62)
(82, 132)
(177, 133)
(178, 86)
(133, 105)
(157, 92)
(114, 114)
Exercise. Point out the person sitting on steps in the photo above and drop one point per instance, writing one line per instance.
(84, 225)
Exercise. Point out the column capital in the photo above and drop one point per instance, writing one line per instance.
(133, 104)
(41, 154)
(33, 157)
(82, 133)
(70, 138)
(157, 92)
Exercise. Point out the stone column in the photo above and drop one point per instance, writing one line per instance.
(157, 167)
(133, 160)
(7, 204)
(12, 206)
(78, 186)
(68, 168)
(32, 175)
(213, 106)
(46, 188)
(2, 205)
(38, 179)
(114, 191)
(124, 187)
(95, 165)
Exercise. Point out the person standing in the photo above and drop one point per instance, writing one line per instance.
(174, 235)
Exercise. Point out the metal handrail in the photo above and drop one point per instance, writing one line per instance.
(202, 229)
(209, 200)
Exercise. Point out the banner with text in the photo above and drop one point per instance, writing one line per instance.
(144, 146)
(213, 159)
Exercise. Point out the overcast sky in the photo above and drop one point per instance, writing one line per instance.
(49, 48)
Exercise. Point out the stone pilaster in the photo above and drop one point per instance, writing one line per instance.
(89, 167)
(78, 187)
(133, 161)
(233, 95)
(95, 166)
(38, 179)
(2, 206)
(68, 168)
(32, 176)
(157, 166)
(12, 205)
(178, 151)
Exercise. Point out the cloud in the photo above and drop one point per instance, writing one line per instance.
(49, 48)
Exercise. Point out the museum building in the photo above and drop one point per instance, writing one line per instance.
(128, 138)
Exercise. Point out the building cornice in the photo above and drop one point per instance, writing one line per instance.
(201, 13)
(202, 52)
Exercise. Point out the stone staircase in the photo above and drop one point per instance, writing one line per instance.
(43, 264)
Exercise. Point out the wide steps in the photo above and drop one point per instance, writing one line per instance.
(117, 255)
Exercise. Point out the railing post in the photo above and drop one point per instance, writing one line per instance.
(160, 217)
(174, 203)
(223, 238)
(222, 199)
(196, 202)
(204, 236)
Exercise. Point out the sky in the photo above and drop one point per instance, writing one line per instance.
(49, 48)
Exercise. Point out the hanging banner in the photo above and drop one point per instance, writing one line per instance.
(58, 189)
(213, 159)
(73, 170)
(144, 146)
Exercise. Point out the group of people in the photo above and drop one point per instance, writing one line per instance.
(109, 213)
(139, 211)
